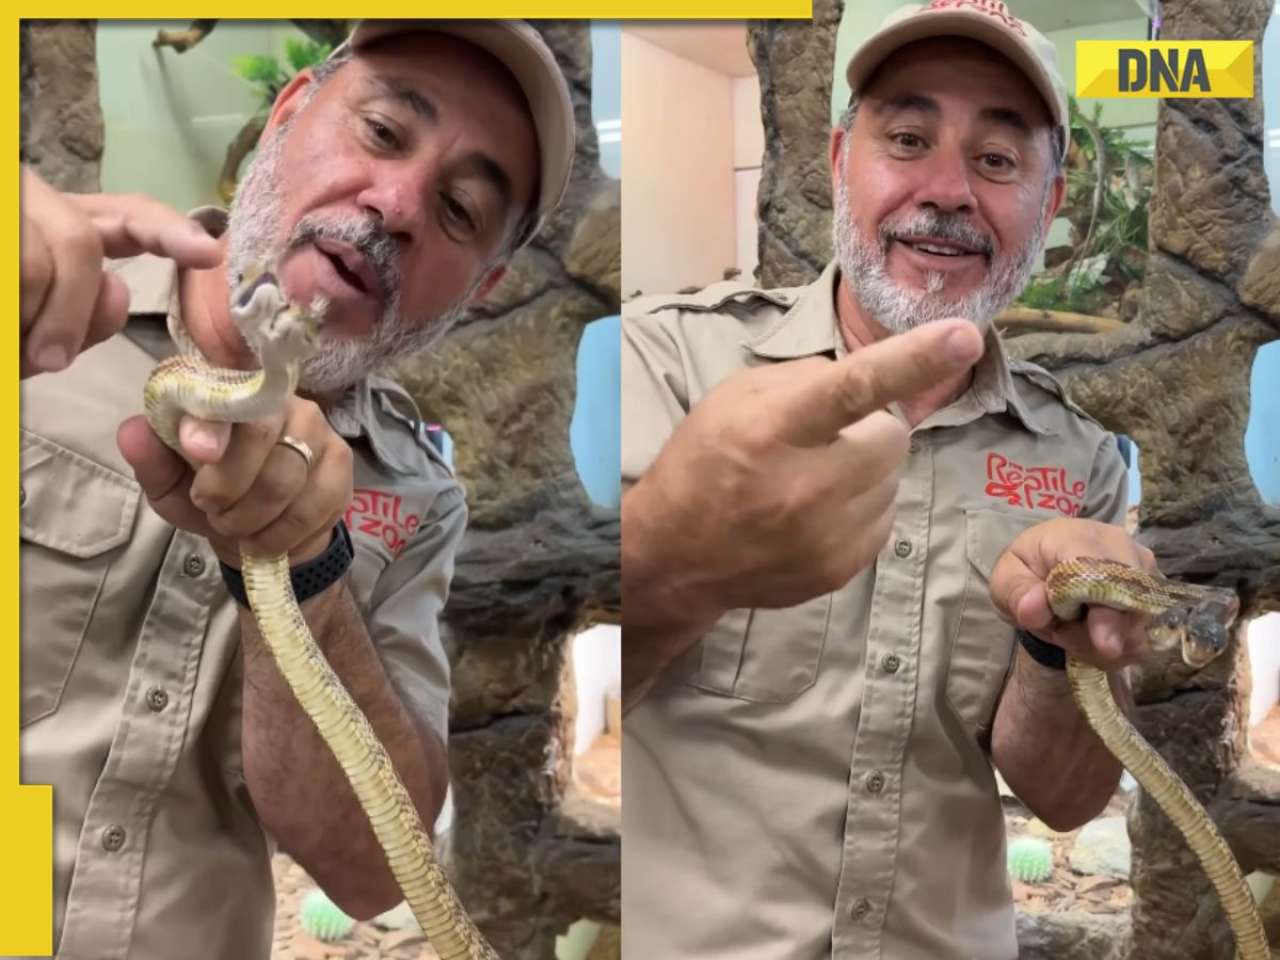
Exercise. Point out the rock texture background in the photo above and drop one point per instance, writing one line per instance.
(531, 853)
(794, 60)
(60, 126)
(1176, 379)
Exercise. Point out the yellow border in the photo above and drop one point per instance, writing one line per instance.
(26, 881)
(543, 10)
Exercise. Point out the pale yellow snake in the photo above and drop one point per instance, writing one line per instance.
(1198, 619)
(283, 335)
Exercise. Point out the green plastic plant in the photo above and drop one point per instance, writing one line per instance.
(1109, 182)
(324, 919)
(1030, 859)
(267, 74)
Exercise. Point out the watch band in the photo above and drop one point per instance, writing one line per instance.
(1045, 654)
(307, 579)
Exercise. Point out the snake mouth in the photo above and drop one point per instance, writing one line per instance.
(246, 292)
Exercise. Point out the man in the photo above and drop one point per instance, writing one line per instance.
(395, 180)
(817, 668)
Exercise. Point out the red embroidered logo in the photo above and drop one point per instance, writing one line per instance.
(993, 8)
(377, 513)
(1046, 488)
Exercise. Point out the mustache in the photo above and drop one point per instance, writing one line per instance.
(948, 226)
(374, 243)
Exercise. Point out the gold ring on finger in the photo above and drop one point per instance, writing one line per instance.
(300, 447)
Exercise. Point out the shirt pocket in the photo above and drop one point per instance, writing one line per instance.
(75, 514)
(768, 656)
(982, 642)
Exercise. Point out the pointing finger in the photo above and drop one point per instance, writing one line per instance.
(135, 224)
(894, 369)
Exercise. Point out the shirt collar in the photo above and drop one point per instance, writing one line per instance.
(359, 413)
(811, 328)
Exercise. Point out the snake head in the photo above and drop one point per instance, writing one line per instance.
(276, 330)
(1201, 628)
(252, 281)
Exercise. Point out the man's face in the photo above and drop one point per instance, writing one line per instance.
(943, 186)
(391, 193)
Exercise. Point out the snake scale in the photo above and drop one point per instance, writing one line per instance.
(1197, 619)
(283, 335)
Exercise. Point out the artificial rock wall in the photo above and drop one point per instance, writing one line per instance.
(539, 563)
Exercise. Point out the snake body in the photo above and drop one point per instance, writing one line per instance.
(1198, 619)
(283, 335)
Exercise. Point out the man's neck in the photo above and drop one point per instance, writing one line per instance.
(858, 330)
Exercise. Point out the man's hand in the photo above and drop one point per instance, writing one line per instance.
(1107, 638)
(68, 303)
(241, 488)
(779, 485)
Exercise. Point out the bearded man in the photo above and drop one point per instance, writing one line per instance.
(841, 500)
(394, 183)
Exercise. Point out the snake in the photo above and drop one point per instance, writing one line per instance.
(1197, 620)
(284, 335)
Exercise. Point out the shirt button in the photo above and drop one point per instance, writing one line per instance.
(113, 838)
(860, 908)
(193, 566)
(902, 548)
(890, 663)
(157, 699)
(875, 781)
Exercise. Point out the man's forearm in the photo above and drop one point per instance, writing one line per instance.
(298, 789)
(1045, 749)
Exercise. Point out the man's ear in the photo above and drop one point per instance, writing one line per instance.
(833, 156)
(1059, 194)
(288, 101)
(487, 284)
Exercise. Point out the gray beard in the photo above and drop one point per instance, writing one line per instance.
(897, 309)
(253, 236)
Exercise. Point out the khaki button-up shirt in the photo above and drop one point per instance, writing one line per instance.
(131, 660)
(815, 781)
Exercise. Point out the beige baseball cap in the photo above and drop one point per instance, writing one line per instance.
(520, 48)
(987, 21)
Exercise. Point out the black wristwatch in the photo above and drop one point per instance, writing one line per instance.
(1045, 654)
(308, 579)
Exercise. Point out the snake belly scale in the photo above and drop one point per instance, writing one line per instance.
(283, 335)
(1198, 619)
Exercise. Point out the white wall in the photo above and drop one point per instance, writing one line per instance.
(169, 117)
(748, 155)
(678, 222)
(1264, 659)
(597, 672)
(746, 188)
(748, 127)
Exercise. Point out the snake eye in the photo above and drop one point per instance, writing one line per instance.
(246, 292)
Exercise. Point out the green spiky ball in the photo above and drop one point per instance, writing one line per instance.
(323, 919)
(1030, 859)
